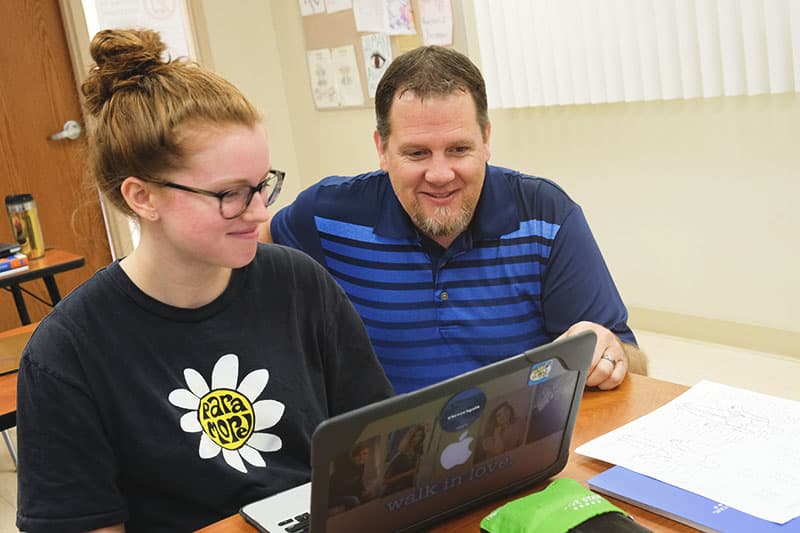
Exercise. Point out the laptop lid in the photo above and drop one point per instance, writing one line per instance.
(412, 460)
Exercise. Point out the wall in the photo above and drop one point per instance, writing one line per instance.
(692, 202)
(238, 41)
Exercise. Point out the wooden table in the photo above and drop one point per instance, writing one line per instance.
(12, 342)
(600, 412)
(52, 262)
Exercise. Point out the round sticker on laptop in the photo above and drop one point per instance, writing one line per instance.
(462, 410)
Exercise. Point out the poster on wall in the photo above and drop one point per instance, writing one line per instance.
(168, 17)
(436, 22)
(370, 15)
(377, 56)
(395, 17)
(348, 79)
(400, 17)
(323, 80)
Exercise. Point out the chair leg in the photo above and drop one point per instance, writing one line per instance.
(10, 446)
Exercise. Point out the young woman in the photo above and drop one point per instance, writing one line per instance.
(186, 379)
(402, 469)
(502, 432)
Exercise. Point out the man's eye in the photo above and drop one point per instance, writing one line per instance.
(416, 154)
(461, 149)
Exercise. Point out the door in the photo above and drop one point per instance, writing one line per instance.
(37, 96)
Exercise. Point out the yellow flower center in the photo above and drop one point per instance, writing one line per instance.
(227, 417)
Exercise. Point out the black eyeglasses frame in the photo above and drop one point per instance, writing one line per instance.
(278, 175)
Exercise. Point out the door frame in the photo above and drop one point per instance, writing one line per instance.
(118, 225)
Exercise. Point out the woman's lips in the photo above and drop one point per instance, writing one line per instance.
(245, 234)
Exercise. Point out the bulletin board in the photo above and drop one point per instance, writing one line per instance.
(331, 31)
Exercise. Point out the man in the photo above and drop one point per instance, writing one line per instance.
(453, 263)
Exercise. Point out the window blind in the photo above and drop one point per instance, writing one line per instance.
(561, 52)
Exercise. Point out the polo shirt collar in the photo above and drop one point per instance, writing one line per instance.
(392, 220)
(495, 215)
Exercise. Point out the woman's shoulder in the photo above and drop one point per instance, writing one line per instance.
(288, 264)
(71, 322)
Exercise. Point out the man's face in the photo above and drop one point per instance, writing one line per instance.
(435, 156)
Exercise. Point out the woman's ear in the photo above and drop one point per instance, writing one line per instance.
(138, 195)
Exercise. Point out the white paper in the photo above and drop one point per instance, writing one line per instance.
(348, 79)
(734, 446)
(167, 18)
(338, 5)
(436, 21)
(371, 15)
(400, 17)
(377, 56)
(311, 7)
(323, 80)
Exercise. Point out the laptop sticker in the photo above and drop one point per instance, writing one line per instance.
(540, 372)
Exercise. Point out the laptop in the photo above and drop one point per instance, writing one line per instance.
(410, 461)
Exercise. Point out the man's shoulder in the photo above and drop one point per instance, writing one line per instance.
(357, 199)
(531, 183)
(536, 197)
(367, 182)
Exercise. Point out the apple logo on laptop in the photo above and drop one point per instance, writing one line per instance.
(457, 453)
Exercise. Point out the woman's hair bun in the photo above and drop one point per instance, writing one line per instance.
(122, 58)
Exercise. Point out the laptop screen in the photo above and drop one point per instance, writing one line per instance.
(448, 452)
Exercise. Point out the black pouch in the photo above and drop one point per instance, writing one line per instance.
(610, 523)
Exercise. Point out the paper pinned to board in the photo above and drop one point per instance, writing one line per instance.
(735, 446)
(436, 20)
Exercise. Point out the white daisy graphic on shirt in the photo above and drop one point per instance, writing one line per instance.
(228, 415)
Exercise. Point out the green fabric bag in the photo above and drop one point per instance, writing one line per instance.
(561, 506)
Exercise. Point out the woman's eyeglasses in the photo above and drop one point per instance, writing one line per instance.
(234, 202)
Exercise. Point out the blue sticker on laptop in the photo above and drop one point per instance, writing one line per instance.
(540, 372)
(462, 410)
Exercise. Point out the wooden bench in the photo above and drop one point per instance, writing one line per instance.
(12, 342)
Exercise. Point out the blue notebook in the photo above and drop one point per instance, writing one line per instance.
(681, 505)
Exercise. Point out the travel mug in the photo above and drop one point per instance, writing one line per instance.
(25, 224)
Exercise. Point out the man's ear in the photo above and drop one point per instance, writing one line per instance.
(138, 195)
(379, 147)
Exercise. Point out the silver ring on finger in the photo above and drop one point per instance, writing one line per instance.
(610, 358)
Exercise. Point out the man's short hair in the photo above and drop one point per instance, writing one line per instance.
(429, 70)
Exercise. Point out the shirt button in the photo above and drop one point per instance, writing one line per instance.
(444, 296)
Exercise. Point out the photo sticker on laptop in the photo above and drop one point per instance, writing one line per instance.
(540, 372)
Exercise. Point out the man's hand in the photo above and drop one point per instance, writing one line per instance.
(612, 358)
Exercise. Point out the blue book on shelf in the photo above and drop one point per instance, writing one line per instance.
(681, 505)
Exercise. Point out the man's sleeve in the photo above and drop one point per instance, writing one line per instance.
(577, 284)
(294, 225)
(67, 475)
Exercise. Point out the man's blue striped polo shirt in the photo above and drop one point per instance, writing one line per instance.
(525, 270)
